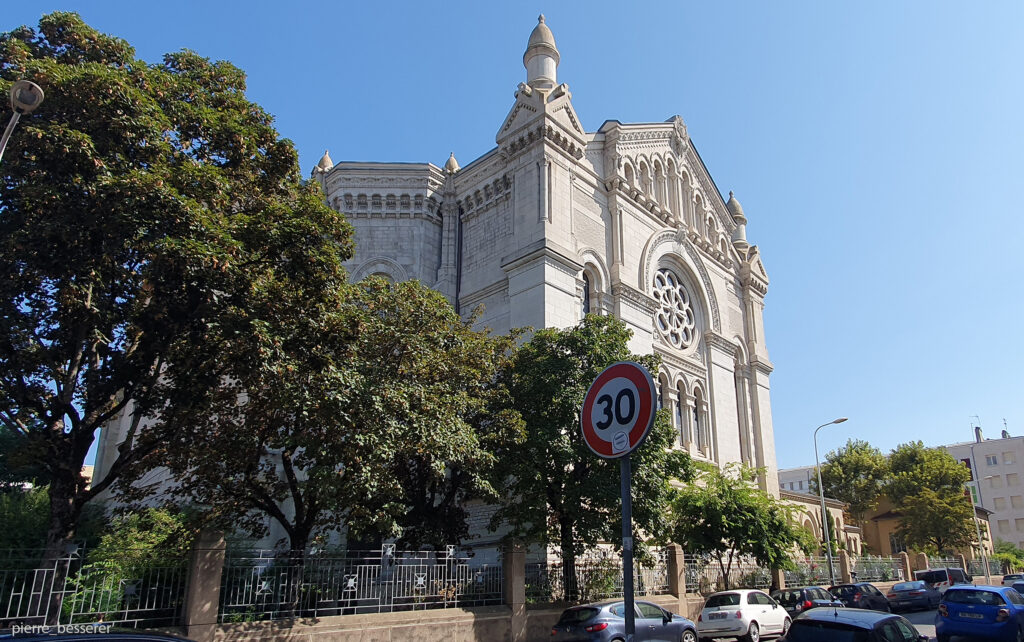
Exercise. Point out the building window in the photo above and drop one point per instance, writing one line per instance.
(991, 460)
(995, 481)
(1004, 526)
(1019, 524)
(801, 485)
(586, 294)
(1009, 459)
(675, 319)
(1016, 501)
(1000, 503)
(1013, 479)
(896, 543)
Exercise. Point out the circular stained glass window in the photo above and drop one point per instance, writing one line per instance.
(674, 319)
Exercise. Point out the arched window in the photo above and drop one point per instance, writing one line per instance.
(630, 176)
(684, 436)
(675, 318)
(698, 424)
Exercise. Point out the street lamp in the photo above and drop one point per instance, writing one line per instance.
(25, 97)
(821, 495)
(977, 528)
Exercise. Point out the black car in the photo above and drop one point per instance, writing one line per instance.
(861, 595)
(851, 625)
(797, 600)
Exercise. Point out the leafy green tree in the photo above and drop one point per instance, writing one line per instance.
(20, 462)
(24, 515)
(558, 491)
(1010, 556)
(726, 517)
(142, 207)
(927, 487)
(379, 414)
(856, 475)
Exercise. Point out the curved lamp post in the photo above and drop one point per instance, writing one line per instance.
(25, 97)
(821, 495)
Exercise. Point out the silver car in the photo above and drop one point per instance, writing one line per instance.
(606, 622)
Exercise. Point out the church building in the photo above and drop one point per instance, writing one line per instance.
(556, 222)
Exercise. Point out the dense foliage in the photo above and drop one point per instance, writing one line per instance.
(379, 413)
(726, 517)
(855, 474)
(143, 207)
(558, 491)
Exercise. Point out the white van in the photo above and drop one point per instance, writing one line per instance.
(943, 578)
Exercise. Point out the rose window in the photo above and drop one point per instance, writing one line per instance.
(675, 319)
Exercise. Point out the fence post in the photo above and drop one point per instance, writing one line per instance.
(513, 563)
(778, 578)
(905, 563)
(963, 563)
(202, 598)
(677, 575)
(844, 567)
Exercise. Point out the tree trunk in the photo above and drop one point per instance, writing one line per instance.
(50, 578)
(298, 538)
(568, 561)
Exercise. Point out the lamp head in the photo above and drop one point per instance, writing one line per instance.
(25, 96)
(840, 420)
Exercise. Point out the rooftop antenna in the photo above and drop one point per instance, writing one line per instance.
(977, 420)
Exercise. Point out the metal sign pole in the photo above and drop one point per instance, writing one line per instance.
(625, 473)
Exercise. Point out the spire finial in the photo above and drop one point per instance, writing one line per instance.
(541, 57)
(540, 18)
(731, 195)
(452, 165)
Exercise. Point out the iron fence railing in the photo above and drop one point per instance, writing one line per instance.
(598, 577)
(976, 567)
(812, 571)
(943, 562)
(134, 589)
(705, 576)
(266, 585)
(870, 568)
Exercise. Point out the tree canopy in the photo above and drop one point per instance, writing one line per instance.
(855, 474)
(143, 207)
(927, 488)
(725, 516)
(558, 491)
(380, 415)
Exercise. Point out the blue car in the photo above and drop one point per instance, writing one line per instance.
(981, 612)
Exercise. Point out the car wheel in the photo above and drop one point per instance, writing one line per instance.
(688, 636)
(753, 633)
(785, 627)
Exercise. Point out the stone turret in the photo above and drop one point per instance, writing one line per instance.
(541, 57)
(739, 236)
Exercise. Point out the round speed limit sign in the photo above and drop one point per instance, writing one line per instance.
(618, 410)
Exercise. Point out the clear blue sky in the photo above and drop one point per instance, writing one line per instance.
(876, 148)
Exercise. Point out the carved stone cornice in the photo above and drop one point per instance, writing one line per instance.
(486, 292)
(761, 367)
(669, 356)
(542, 132)
(715, 340)
(544, 249)
(634, 298)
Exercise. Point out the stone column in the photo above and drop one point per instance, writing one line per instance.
(202, 597)
(778, 578)
(963, 562)
(677, 576)
(514, 566)
(905, 564)
(920, 562)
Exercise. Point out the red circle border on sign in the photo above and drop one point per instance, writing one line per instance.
(639, 377)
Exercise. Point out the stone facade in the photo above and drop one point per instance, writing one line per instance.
(555, 222)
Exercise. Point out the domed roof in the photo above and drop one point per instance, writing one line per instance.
(541, 41)
(734, 207)
(451, 165)
(325, 162)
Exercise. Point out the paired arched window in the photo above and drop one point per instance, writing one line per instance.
(675, 318)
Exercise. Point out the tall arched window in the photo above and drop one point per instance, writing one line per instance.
(684, 437)
(698, 425)
(586, 294)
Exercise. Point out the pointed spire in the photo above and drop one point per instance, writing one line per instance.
(735, 209)
(451, 165)
(739, 235)
(541, 57)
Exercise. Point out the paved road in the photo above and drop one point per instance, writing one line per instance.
(923, 621)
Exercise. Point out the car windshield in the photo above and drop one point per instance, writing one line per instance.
(908, 586)
(723, 599)
(973, 596)
(814, 631)
(577, 615)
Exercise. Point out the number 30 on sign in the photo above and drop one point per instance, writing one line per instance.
(618, 410)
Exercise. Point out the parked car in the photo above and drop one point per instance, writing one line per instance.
(913, 595)
(797, 600)
(982, 612)
(606, 621)
(862, 595)
(744, 613)
(943, 578)
(1018, 586)
(851, 625)
(1008, 580)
